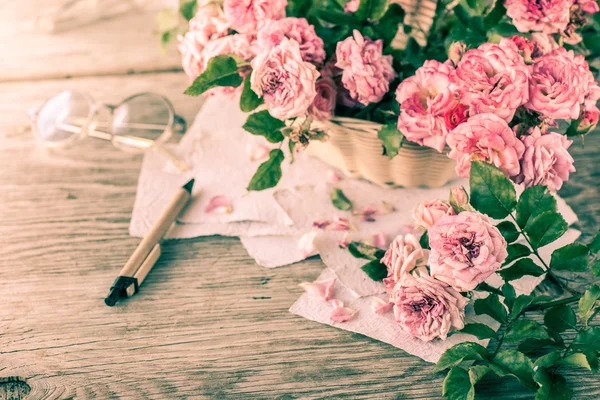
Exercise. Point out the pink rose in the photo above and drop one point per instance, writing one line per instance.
(209, 23)
(404, 254)
(322, 107)
(366, 71)
(547, 16)
(273, 32)
(485, 137)
(191, 46)
(542, 44)
(558, 85)
(492, 79)
(465, 250)
(588, 6)
(546, 160)
(247, 16)
(427, 308)
(351, 6)
(284, 80)
(428, 212)
(525, 47)
(426, 101)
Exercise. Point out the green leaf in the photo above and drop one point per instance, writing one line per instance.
(221, 71)
(495, 16)
(424, 240)
(545, 228)
(375, 270)
(340, 201)
(516, 251)
(596, 267)
(263, 124)
(477, 372)
(361, 250)
(391, 138)
(491, 192)
(508, 230)
(587, 303)
(187, 8)
(457, 385)
(524, 266)
(480, 331)
(486, 287)
(459, 353)
(588, 340)
(268, 173)
(526, 329)
(572, 257)
(371, 9)
(548, 360)
(536, 345)
(594, 246)
(534, 201)
(508, 291)
(298, 8)
(588, 361)
(553, 387)
(388, 25)
(523, 301)
(249, 100)
(491, 306)
(517, 364)
(560, 318)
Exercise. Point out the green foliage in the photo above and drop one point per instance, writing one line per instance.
(371, 10)
(508, 230)
(387, 26)
(545, 228)
(457, 385)
(560, 318)
(263, 124)
(524, 301)
(480, 331)
(249, 100)
(361, 250)
(524, 266)
(526, 329)
(517, 364)
(221, 71)
(588, 361)
(340, 201)
(424, 240)
(392, 139)
(375, 270)
(298, 8)
(552, 386)
(460, 352)
(268, 173)
(588, 303)
(491, 306)
(594, 245)
(187, 8)
(516, 251)
(491, 192)
(508, 291)
(572, 257)
(534, 201)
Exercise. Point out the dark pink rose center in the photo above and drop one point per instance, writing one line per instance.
(471, 249)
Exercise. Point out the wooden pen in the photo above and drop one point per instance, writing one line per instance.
(148, 251)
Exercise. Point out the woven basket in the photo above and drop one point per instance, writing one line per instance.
(354, 148)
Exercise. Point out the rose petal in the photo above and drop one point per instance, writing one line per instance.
(306, 244)
(321, 223)
(334, 176)
(379, 240)
(380, 306)
(319, 289)
(337, 303)
(218, 205)
(342, 314)
(339, 224)
(257, 151)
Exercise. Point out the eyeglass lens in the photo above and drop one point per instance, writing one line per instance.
(62, 117)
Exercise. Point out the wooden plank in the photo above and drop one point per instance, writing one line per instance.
(122, 44)
(208, 323)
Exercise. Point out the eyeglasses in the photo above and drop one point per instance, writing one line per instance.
(141, 122)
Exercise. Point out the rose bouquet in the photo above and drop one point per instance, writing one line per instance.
(505, 82)
(431, 280)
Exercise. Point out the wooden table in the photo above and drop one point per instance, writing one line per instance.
(209, 322)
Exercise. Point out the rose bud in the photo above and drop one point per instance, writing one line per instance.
(525, 47)
(459, 199)
(456, 51)
(456, 116)
(587, 122)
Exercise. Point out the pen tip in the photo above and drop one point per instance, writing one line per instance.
(188, 186)
(112, 298)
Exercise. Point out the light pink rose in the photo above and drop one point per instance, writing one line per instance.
(284, 80)
(273, 32)
(247, 16)
(322, 107)
(558, 85)
(404, 254)
(351, 6)
(366, 71)
(209, 23)
(492, 79)
(238, 45)
(465, 250)
(426, 213)
(485, 137)
(543, 44)
(547, 16)
(588, 6)
(426, 102)
(546, 160)
(191, 46)
(427, 308)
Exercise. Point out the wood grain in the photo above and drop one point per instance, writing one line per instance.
(208, 323)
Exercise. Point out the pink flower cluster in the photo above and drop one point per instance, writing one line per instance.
(468, 102)
(424, 286)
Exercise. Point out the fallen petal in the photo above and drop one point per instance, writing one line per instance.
(379, 240)
(380, 306)
(306, 244)
(257, 151)
(321, 224)
(334, 176)
(319, 289)
(337, 303)
(342, 314)
(218, 205)
(339, 224)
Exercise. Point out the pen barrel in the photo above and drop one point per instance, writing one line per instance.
(144, 269)
(157, 232)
